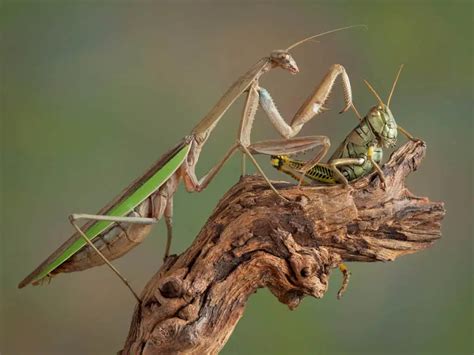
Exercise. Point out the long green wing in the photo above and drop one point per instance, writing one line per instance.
(139, 191)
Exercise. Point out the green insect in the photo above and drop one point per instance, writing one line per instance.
(360, 153)
(127, 220)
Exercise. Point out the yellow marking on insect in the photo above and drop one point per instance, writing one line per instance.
(370, 152)
(343, 268)
(275, 161)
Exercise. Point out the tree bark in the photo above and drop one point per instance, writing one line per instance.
(255, 239)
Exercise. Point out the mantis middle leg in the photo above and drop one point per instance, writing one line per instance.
(312, 105)
(271, 147)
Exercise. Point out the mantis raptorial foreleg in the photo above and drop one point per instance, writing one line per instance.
(311, 107)
(138, 220)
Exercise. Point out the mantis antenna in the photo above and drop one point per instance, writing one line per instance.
(374, 92)
(394, 84)
(323, 34)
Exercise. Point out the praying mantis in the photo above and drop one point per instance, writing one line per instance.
(127, 220)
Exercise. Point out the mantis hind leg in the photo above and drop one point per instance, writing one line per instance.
(140, 220)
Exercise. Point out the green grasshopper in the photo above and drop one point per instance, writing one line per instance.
(127, 220)
(359, 154)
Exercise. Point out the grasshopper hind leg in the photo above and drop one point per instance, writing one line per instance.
(340, 177)
(346, 275)
(74, 217)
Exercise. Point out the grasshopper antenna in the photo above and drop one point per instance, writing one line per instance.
(394, 85)
(374, 92)
(323, 34)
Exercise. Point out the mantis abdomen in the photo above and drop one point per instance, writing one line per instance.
(113, 243)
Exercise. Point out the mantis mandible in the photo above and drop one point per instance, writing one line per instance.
(128, 219)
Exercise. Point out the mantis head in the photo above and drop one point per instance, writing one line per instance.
(281, 58)
(381, 119)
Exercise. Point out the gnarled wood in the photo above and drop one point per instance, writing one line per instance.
(254, 239)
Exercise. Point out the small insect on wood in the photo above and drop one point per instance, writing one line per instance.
(359, 154)
(127, 220)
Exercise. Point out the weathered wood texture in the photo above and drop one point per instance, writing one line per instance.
(254, 239)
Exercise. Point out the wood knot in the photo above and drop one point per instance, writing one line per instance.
(292, 299)
(302, 200)
(305, 272)
(171, 289)
(189, 312)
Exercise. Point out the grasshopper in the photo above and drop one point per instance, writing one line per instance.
(127, 220)
(359, 154)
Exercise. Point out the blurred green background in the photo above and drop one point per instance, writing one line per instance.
(93, 92)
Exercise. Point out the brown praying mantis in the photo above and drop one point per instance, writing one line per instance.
(127, 220)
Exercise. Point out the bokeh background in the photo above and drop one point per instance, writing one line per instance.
(93, 92)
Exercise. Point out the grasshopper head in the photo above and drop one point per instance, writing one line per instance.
(383, 125)
(281, 58)
(380, 117)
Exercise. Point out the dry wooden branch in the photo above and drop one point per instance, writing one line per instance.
(254, 239)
